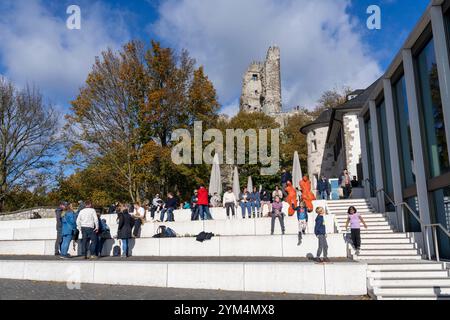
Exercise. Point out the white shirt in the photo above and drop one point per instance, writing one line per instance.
(229, 197)
(87, 218)
(140, 212)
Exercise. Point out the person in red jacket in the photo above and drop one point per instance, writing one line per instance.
(203, 204)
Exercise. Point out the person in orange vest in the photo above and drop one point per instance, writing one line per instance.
(307, 196)
(291, 198)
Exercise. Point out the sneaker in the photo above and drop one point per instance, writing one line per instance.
(326, 260)
(357, 252)
(93, 257)
(299, 243)
(318, 260)
(63, 257)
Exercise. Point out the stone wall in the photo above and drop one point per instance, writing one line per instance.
(28, 214)
(320, 160)
(352, 143)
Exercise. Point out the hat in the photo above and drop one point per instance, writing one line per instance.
(64, 203)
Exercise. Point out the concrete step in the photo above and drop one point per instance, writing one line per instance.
(232, 246)
(393, 241)
(399, 252)
(363, 257)
(431, 297)
(404, 266)
(416, 291)
(387, 246)
(410, 282)
(386, 235)
(407, 274)
(364, 215)
(370, 224)
(367, 219)
(261, 226)
(291, 277)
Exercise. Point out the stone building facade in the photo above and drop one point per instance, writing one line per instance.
(334, 141)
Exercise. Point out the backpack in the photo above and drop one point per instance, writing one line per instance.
(117, 251)
(165, 232)
(202, 236)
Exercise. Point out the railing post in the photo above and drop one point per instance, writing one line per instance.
(436, 244)
(402, 212)
(428, 243)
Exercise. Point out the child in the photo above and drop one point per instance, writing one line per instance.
(355, 220)
(277, 212)
(321, 233)
(302, 217)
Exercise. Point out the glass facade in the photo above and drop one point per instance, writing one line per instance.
(384, 148)
(442, 213)
(404, 134)
(412, 224)
(369, 137)
(432, 112)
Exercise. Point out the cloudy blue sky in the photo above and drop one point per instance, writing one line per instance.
(324, 44)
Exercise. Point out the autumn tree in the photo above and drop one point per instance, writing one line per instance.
(331, 99)
(28, 137)
(131, 103)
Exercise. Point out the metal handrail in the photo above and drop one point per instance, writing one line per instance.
(423, 225)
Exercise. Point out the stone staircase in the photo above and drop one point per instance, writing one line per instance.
(396, 266)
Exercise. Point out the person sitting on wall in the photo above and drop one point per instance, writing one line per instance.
(307, 196)
(324, 188)
(291, 198)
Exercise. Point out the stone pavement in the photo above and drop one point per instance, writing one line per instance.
(32, 290)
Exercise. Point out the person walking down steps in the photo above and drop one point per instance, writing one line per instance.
(321, 234)
(355, 220)
(302, 217)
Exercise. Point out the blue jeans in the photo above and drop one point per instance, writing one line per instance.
(89, 241)
(205, 214)
(256, 206)
(65, 244)
(246, 206)
(125, 247)
(324, 195)
(170, 217)
(100, 243)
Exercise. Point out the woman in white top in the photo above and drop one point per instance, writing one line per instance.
(230, 202)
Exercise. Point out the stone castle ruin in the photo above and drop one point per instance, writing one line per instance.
(261, 89)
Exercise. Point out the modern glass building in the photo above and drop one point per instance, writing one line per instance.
(405, 131)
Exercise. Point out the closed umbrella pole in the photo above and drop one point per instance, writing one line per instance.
(296, 171)
(215, 183)
(236, 184)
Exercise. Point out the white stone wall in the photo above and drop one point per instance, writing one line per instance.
(320, 161)
(352, 143)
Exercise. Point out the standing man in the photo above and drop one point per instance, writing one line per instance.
(194, 207)
(203, 203)
(285, 177)
(87, 221)
(324, 188)
(58, 213)
(346, 184)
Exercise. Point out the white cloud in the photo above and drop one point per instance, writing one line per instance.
(37, 48)
(320, 47)
(231, 109)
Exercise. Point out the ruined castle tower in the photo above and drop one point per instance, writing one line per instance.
(261, 89)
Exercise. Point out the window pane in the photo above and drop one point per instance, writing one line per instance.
(442, 216)
(433, 117)
(384, 148)
(404, 134)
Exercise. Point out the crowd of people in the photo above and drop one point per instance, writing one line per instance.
(130, 218)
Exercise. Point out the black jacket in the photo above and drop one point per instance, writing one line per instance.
(126, 224)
